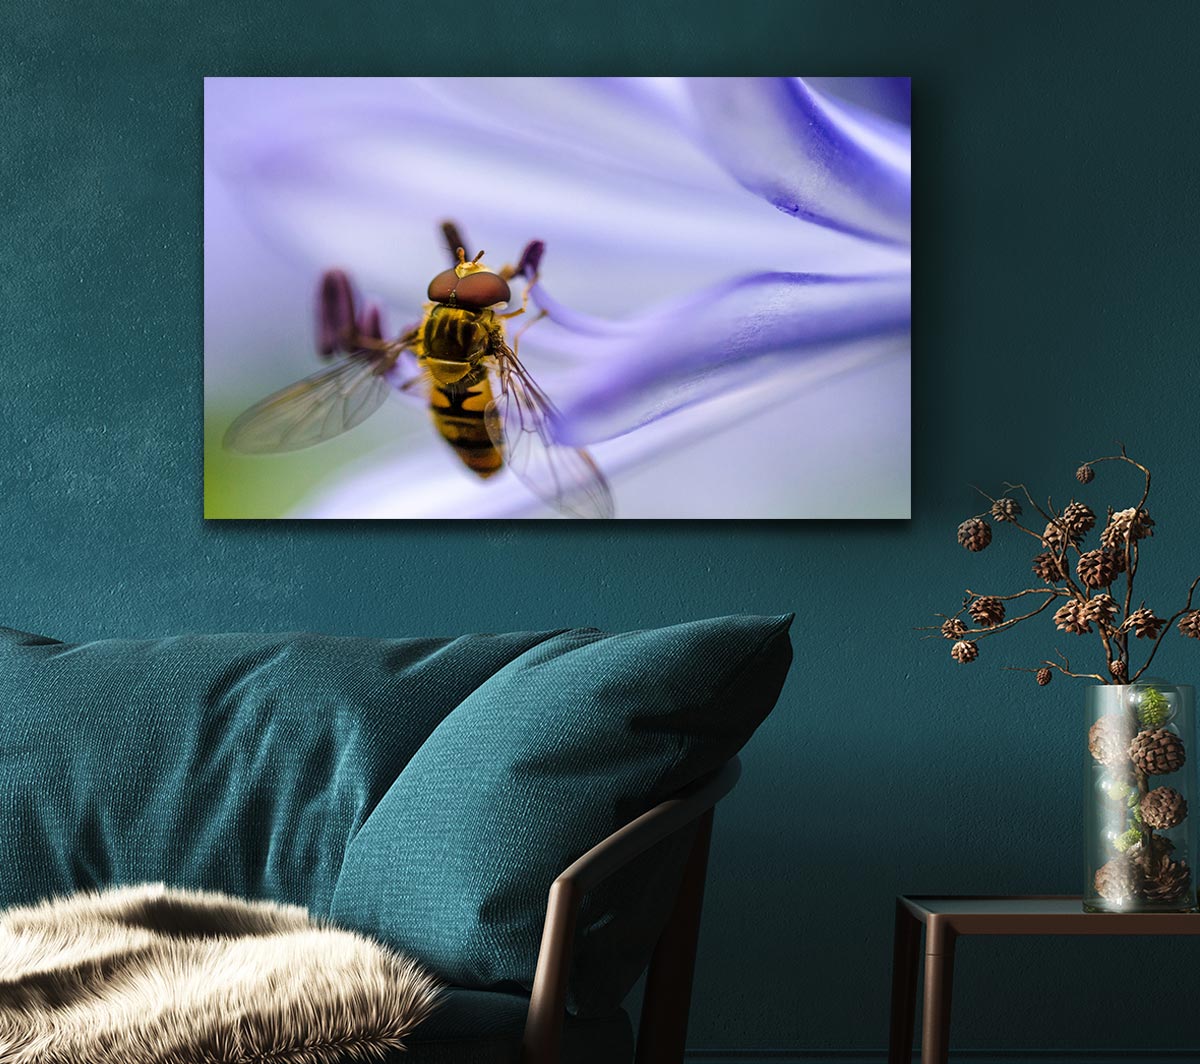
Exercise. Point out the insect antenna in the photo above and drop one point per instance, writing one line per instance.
(454, 241)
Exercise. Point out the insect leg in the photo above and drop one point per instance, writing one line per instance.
(528, 264)
(525, 328)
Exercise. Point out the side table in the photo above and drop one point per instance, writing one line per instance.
(945, 918)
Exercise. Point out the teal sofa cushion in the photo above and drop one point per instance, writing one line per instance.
(562, 746)
(242, 763)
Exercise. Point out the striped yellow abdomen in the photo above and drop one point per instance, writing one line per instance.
(458, 414)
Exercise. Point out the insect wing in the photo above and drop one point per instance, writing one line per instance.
(519, 422)
(312, 410)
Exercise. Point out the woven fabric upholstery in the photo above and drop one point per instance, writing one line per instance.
(560, 748)
(242, 763)
(425, 791)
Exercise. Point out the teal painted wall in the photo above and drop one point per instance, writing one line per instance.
(1057, 164)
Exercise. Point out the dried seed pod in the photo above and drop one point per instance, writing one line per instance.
(1164, 808)
(1072, 618)
(987, 611)
(1189, 624)
(1085, 474)
(1098, 568)
(964, 651)
(974, 533)
(1006, 510)
(1157, 752)
(1044, 676)
(1048, 567)
(1118, 879)
(1144, 623)
(953, 628)
(1109, 738)
(1078, 519)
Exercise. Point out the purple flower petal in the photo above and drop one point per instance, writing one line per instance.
(854, 463)
(626, 374)
(809, 156)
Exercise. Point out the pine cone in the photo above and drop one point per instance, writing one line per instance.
(1118, 669)
(1085, 474)
(1157, 751)
(1100, 608)
(1056, 537)
(1048, 568)
(1164, 880)
(1124, 526)
(987, 611)
(964, 651)
(974, 533)
(953, 628)
(1098, 568)
(1164, 808)
(1109, 738)
(1118, 879)
(1078, 519)
(1006, 510)
(1044, 676)
(1144, 623)
(1189, 624)
(1160, 846)
(1072, 618)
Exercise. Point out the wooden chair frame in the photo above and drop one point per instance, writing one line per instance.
(662, 1032)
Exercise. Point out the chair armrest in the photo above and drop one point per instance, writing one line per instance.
(548, 1001)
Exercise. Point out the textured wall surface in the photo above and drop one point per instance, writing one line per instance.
(1055, 311)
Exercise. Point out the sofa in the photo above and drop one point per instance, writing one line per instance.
(527, 813)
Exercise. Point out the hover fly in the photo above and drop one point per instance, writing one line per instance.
(483, 401)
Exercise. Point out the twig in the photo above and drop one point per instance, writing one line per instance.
(1167, 627)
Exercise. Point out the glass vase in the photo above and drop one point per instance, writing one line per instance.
(1140, 838)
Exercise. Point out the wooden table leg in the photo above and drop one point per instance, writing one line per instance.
(905, 955)
(939, 982)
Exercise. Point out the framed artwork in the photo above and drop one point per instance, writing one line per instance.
(557, 297)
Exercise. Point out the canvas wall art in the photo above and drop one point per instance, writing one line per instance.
(557, 298)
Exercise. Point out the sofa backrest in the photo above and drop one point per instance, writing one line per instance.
(242, 763)
(423, 791)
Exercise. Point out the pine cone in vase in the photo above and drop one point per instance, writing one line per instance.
(1072, 618)
(1164, 880)
(1085, 474)
(1109, 738)
(1099, 568)
(1078, 520)
(1160, 846)
(987, 611)
(1048, 568)
(1006, 510)
(964, 651)
(953, 628)
(974, 533)
(1143, 622)
(1164, 808)
(1118, 669)
(1157, 751)
(1044, 676)
(1100, 608)
(1118, 879)
(1189, 624)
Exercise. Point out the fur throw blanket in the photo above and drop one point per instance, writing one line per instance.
(147, 975)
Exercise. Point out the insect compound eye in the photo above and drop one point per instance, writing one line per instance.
(479, 290)
(441, 288)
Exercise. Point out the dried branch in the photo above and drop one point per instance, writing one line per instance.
(1167, 627)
